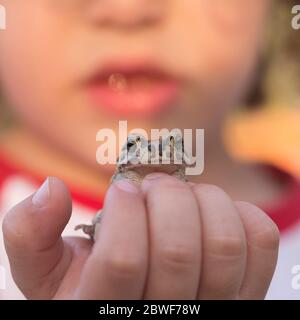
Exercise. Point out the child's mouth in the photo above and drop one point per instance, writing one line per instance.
(133, 90)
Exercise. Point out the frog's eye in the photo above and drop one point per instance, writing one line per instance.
(129, 145)
(160, 149)
(177, 136)
(177, 141)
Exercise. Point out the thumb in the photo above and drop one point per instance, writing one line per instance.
(32, 237)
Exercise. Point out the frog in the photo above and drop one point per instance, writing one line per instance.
(140, 157)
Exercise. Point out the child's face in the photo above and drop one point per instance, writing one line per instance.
(71, 67)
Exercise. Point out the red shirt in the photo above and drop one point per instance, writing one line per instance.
(285, 214)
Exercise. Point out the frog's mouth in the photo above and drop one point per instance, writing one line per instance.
(145, 169)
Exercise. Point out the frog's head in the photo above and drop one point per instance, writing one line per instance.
(166, 154)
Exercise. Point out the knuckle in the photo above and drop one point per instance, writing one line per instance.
(177, 256)
(266, 234)
(268, 238)
(19, 235)
(232, 247)
(124, 265)
(12, 236)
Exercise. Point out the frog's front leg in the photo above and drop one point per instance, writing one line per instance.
(91, 229)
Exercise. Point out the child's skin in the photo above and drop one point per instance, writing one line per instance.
(204, 246)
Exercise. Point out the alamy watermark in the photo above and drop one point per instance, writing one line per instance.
(296, 277)
(296, 17)
(162, 147)
(2, 278)
(2, 17)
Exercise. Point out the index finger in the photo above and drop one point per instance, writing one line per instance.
(117, 266)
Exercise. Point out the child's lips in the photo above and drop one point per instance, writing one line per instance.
(133, 90)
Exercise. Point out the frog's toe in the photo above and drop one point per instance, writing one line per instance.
(87, 229)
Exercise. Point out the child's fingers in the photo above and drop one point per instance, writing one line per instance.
(32, 235)
(263, 240)
(175, 239)
(117, 266)
(224, 244)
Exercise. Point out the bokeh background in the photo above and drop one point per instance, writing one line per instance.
(267, 127)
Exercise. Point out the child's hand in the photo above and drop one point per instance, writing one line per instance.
(169, 240)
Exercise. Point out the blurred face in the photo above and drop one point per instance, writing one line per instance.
(72, 67)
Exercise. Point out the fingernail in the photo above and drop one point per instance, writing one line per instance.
(156, 175)
(127, 186)
(42, 195)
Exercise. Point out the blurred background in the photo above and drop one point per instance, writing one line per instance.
(267, 127)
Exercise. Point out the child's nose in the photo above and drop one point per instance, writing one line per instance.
(126, 14)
